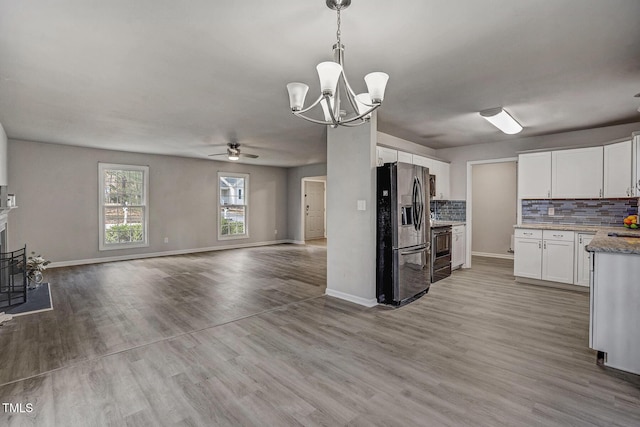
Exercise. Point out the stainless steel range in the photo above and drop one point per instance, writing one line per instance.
(440, 252)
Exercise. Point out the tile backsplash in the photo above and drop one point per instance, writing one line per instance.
(598, 212)
(449, 210)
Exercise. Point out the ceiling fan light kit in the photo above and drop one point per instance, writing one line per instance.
(502, 120)
(334, 84)
(233, 152)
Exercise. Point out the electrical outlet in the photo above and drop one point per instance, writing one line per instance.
(275, 231)
(552, 211)
(166, 240)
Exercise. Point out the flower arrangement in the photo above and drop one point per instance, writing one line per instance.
(36, 264)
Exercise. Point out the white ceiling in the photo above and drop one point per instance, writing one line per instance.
(173, 77)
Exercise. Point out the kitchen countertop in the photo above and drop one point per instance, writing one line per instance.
(565, 227)
(601, 242)
(435, 224)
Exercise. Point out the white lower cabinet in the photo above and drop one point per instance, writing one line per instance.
(544, 254)
(557, 256)
(459, 247)
(582, 259)
(527, 261)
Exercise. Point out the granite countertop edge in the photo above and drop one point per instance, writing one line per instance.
(438, 223)
(601, 242)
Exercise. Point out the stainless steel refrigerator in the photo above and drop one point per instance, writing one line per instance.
(403, 233)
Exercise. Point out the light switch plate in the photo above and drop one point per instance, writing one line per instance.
(362, 205)
(552, 211)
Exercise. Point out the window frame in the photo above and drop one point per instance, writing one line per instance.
(102, 245)
(219, 204)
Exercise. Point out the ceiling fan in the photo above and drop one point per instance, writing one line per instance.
(233, 152)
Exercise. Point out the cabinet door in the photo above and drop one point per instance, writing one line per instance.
(405, 157)
(557, 261)
(386, 155)
(441, 171)
(534, 175)
(577, 174)
(617, 170)
(636, 164)
(527, 261)
(458, 248)
(444, 181)
(582, 259)
(421, 161)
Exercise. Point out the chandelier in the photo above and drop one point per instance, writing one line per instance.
(334, 84)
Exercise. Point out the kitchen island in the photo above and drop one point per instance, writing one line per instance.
(614, 323)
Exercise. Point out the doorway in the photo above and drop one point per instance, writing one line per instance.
(491, 207)
(313, 208)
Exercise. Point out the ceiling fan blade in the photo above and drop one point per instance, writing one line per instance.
(249, 156)
(217, 154)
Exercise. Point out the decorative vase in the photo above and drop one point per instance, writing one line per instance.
(35, 278)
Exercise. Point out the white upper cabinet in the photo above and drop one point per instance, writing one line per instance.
(423, 161)
(617, 170)
(443, 182)
(386, 155)
(534, 175)
(577, 174)
(405, 157)
(636, 164)
(436, 167)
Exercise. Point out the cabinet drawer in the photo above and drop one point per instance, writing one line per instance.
(558, 235)
(457, 229)
(528, 233)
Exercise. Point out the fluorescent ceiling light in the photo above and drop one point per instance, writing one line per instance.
(502, 120)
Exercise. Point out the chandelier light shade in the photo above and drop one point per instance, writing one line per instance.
(329, 73)
(297, 94)
(334, 86)
(376, 84)
(502, 120)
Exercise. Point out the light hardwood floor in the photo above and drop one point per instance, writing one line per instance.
(246, 337)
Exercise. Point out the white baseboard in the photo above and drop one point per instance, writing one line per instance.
(165, 253)
(490, 255)
(352, 298)
(298, 242)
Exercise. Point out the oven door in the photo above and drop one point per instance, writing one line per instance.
(441, 245)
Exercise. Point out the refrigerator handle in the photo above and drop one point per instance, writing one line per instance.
(414, 251)
(415, 206)
(418, 205)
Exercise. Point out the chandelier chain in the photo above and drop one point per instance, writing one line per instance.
(338, 31)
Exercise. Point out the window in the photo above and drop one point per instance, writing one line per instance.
(123, 206)
(232, 215)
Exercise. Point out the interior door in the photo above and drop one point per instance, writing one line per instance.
(314, 210)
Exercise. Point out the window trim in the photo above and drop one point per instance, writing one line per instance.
(102, 246)
(219, 204)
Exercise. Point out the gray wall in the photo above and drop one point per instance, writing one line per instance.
(494, 207)
(294, 191)
(458, 156)
(56, 188)
(351, 233)
(3, 157)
